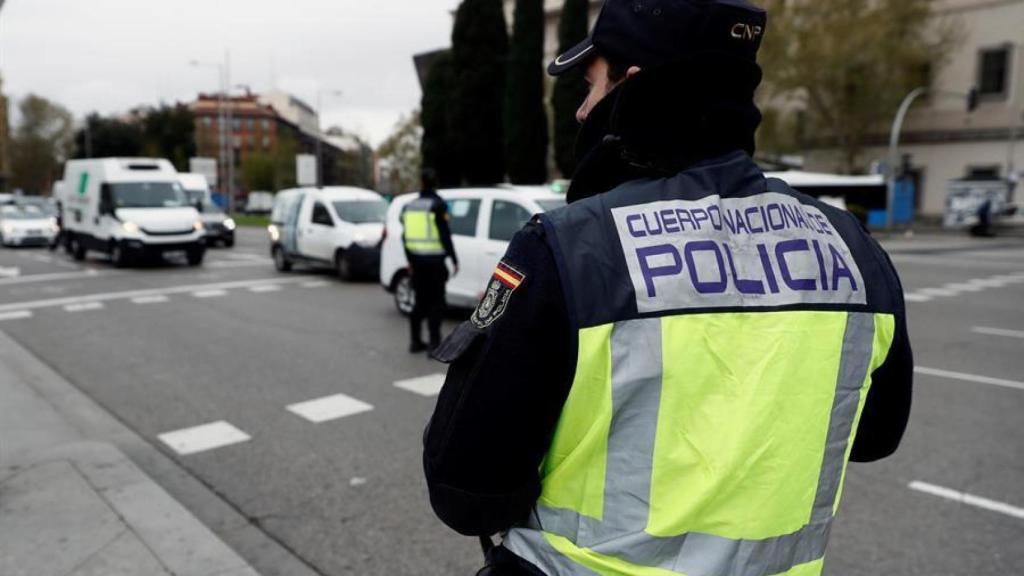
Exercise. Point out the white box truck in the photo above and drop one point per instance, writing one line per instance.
(129, 208)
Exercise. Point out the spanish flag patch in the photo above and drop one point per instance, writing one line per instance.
(499, 291)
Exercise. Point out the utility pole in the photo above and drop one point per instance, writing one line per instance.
(226, 149)
(1015, 118)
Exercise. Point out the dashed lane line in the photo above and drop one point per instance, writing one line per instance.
(911, 297)
(956, 289)
(428, 386)
(998, 332)
(143, 300)
(204, 294)
(53, 277)
(16, 315)
(940, 292)
(128, 295)
(969, 378)
(316, 284)
(265, 289)
(84, 307)
(968, 499)
(203, 438)
(329, 408)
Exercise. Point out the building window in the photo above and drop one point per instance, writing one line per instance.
(250, 124)
(236, 124)
(266, 142)
(207, 121)
(266, 125)
(983, 173)
(994, 72)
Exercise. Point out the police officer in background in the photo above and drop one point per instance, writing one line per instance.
(428, 244)
(671, 373)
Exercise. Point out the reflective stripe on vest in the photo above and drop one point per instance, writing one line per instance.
(421, 234)
(739, 474)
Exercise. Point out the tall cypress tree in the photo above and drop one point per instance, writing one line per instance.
(570, 88)
(526, 122)
(439, 136)
(479, 52)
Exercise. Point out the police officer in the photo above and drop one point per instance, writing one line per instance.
(670, 374)
(428, 243)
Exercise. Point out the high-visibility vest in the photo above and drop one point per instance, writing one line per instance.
(421, 234)
(726, 342)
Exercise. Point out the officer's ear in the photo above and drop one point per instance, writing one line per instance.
(632, 71)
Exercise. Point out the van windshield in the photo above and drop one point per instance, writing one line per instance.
(148, 195)
(361, 211)
(202, 201)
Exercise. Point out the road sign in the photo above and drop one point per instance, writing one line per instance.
(205, 166)
(305, 169)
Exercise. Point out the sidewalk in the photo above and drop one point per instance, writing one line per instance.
(74, 507)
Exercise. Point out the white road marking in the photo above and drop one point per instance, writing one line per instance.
(203, 438)
(968, 499)
(998, 332)
(150, 300)
(10, 272)
(238, 264)
(969, 378)
(316, 284)
(940, 292)
(84, 307)
(425, 386)
(51, 277)
(16, 315)
(265, 289)
(914, 297)
(964, 287)
(106, 297)
(989, 283)
(329, 408)
(202, 294)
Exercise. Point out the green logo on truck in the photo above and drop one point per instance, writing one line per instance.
(83, 184)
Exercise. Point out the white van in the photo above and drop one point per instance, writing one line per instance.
(219, 226)
(483, 222)
(335, 227)
(128, 208)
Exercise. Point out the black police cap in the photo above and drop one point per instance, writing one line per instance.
(649, 33)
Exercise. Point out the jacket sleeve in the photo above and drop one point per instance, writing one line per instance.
(887, 409)
(509, 378)
(445, 229)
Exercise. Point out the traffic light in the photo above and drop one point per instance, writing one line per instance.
(972, 100)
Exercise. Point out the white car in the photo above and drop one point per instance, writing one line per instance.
(26, 226)
(336, 227)
(483, 222)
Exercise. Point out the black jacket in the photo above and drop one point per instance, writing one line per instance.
(510, 376)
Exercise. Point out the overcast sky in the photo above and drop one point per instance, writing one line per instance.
(113, 55)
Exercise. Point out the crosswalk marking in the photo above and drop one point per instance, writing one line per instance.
(264, 289)
(16, 315)
(83, 307)
(203, 438)
(968, 499)
(150, 300)
(329, 408)
(424, 386)
(203, 294)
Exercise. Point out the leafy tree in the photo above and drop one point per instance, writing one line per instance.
(41, 143)
(848, 64)
(479, 50)
(439, 147)
(399, 157)
(570, 88)
(107, 137)
(526, 120)
(273, 170)
(354, 166)
(169, 132)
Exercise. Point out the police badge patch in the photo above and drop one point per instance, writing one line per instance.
(504, 282)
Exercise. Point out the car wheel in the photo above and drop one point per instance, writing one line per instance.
(281, 261)
(117, 255)
(343, 265)
(195, 256)
(229, 243)
(405, 295)
(77, 249)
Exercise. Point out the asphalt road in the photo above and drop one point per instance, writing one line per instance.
(170, 348)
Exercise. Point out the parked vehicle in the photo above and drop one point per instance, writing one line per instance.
(45, 205)
(259, 203)
(26, 226)
(128, 208)
(336, 227)
(219, 227)
(483, 222)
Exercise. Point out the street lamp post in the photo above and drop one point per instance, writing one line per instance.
(320, 136)
(226, 150)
